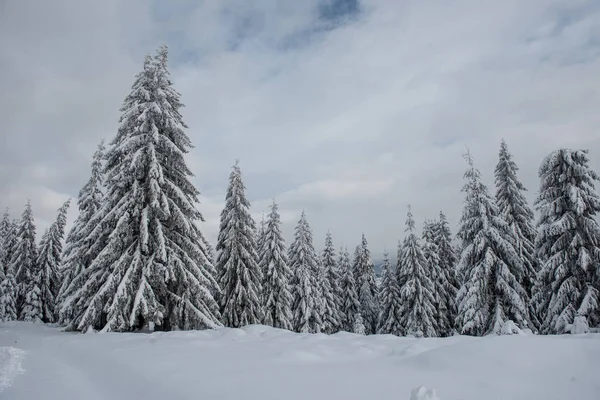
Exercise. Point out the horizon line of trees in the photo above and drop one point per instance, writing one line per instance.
(135, 258)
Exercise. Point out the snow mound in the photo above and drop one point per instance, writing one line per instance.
(232, 333)
(11, 360)
(422, 393)
(510, 328)
(580, 325)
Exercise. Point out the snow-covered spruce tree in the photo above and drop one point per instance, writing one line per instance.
(8, 285)
(417, 302)
(32, 309)
(6, 239)
(240, 278)
(332, 273)
(444, 317)
(48, 262)
(568, 242)
(448, 261)
(350, 311)
(77, 255)
(389, 300)
(151, 269)
(260, 235)
(277, 274)
(491, 293)
(330, 314)
(359, 326)
(24, 257)
(306, 293)
(366, 287)
(8, 297)
(330, 264)
(356, 262)
(513, 207)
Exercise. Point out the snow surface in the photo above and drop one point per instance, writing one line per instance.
(258, 362)
(10, 365)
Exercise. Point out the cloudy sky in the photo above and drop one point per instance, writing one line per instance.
(348, 109)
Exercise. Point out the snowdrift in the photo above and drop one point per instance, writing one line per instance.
(259, 362)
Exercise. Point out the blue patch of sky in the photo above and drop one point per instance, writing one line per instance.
(572, 15)
(169, 16)
(565, 17)
(338, 10)
(588, 48)
(329, 15)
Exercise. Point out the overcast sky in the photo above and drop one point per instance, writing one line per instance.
(348, 110)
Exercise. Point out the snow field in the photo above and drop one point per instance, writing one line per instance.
(11, 360)
(259, 362)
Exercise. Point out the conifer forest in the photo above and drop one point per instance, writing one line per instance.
(135, 258)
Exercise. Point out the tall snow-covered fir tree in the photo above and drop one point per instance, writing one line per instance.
(24, 257)
(306, 293)
(352, 321)
(277, 274)
(366, 287)
(448, 261)
(8, 283)
(7, 236)
(330, 314)
(77, 255)
(151, 270)
(442, 295)
(32, 307)
(417, 301)
(359, 326)
(389, 300)
(491, 293)
(240, 278)
(356, 260)
(330, 263)
(48, 262)
(8, 297)
(260, 236)
(332, 272)
(568, 242)
(513, 207)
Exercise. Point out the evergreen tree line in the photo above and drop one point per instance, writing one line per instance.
(135, 258)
